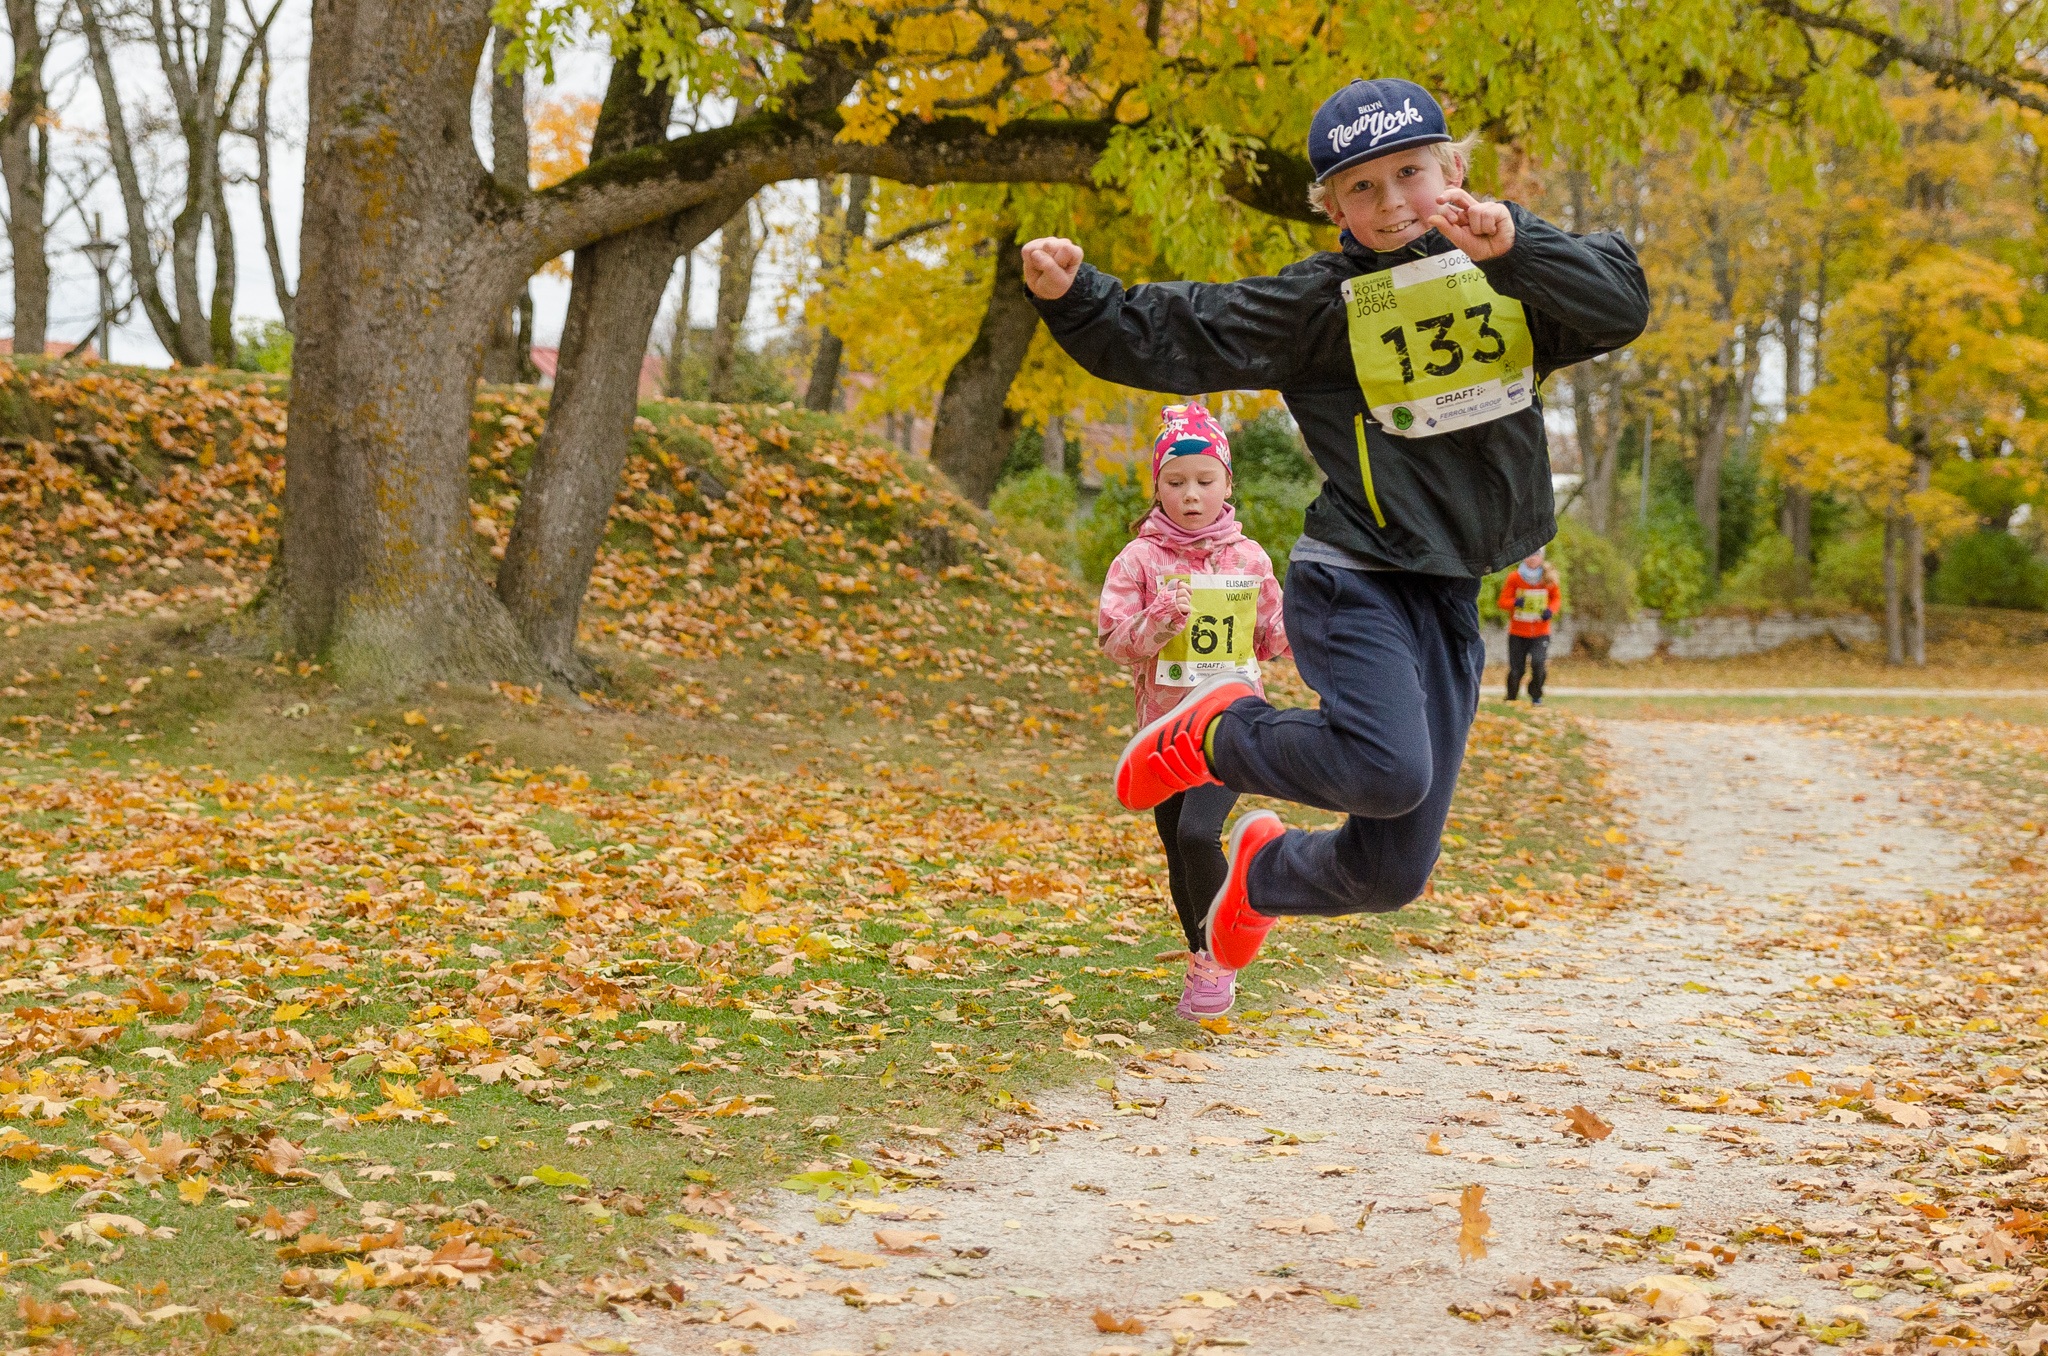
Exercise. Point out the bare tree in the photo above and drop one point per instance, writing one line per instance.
(509, 353)
(822, 393)
(193, 41)
(739, 249)
(260, 134)
(25, 165)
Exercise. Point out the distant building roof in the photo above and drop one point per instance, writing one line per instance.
(548, 359)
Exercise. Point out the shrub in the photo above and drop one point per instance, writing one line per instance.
(1851, 569)
(1597, 581)
(1765, 574)
(1672, 574)
(1990, 569)
(264, 346)
(1106, 528)
(1271, 512)
(1594, 578)
(1268, 449)
(1036, 511)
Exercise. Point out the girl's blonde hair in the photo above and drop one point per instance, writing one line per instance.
(1452, 155)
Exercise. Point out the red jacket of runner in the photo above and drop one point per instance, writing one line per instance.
(1511, 590)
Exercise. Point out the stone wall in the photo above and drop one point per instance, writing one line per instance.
(1715, 637)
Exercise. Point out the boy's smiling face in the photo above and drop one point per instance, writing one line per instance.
(1386, 203)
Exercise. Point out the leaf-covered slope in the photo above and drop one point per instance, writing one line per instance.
(738, 530)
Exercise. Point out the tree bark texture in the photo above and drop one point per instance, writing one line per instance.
(822, 393)
(967, 435)
(23, 170)
(614, 296)
(738, 250)
(1053, 456)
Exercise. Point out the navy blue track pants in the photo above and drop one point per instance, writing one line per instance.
(1396, 659)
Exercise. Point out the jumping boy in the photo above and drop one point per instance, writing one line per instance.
(1410, 357)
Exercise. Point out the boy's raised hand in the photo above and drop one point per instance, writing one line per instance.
(1484, 230)
(1050, 263)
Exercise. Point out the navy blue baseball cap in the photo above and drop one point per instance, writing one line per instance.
(1371, 118)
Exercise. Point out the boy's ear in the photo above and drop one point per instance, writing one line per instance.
(1457, 176)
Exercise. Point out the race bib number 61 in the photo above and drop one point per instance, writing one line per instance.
(1218, 637)
(1436, 348)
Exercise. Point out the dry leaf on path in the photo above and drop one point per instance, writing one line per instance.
(1105, 1321)
(767, 1320)
(1903, 1113)
(903, 1240)
(1314, 1224)
(1474, 1224)
(1586, 1125)
(847, 1258)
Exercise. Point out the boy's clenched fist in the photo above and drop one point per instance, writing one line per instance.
(1050, 263)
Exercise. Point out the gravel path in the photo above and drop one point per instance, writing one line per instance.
(1295, 1187)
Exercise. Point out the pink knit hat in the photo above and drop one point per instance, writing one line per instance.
(1189, 430)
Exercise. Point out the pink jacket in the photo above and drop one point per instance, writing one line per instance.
(1133, 621)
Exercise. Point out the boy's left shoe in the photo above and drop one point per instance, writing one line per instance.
(1166, 757)
(1233, 931)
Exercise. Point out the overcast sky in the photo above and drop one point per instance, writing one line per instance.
(79, 154)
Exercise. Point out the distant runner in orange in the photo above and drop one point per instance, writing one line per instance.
(1531, 598)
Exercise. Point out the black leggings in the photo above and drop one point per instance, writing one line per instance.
(1191, 830)
(1536, 651)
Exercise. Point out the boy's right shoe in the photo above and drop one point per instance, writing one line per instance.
(1166, 757)
(1233, 931)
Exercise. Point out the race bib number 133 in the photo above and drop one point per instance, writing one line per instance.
(1436, 348)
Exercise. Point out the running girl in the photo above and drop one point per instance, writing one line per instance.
(1189, 599)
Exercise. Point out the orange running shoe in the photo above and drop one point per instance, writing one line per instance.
(1165, 758)
(1234, 932)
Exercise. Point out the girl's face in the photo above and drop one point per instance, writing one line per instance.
(1386, 203)
(1193, 489)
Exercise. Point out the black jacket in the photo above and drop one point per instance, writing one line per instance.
(1462, 503)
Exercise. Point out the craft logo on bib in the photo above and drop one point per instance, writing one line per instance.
(1436, 348)
(1218, 636)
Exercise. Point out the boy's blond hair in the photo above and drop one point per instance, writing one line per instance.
(1452, 155)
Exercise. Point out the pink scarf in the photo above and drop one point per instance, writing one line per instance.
(1220, 532)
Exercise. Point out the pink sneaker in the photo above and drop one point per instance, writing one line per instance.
(1209, 990)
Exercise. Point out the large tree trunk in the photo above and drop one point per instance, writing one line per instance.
(967, 435)
(22, 168)
(737, 252)
(377, 570)
(822, 393)
(614, 296)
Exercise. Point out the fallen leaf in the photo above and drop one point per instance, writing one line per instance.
(1474, 1224)
(767, 1320)
(903, 1240)
(1105, 1321)
(1313, 1224)
(847, 1258)
(1586, 1125)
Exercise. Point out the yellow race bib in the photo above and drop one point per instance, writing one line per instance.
(1218, 636)
(1529, 604)
(1436, 348)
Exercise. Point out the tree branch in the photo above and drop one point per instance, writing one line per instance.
(619, 192)
(1945, 66)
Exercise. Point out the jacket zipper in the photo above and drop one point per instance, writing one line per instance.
(1365, 471)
